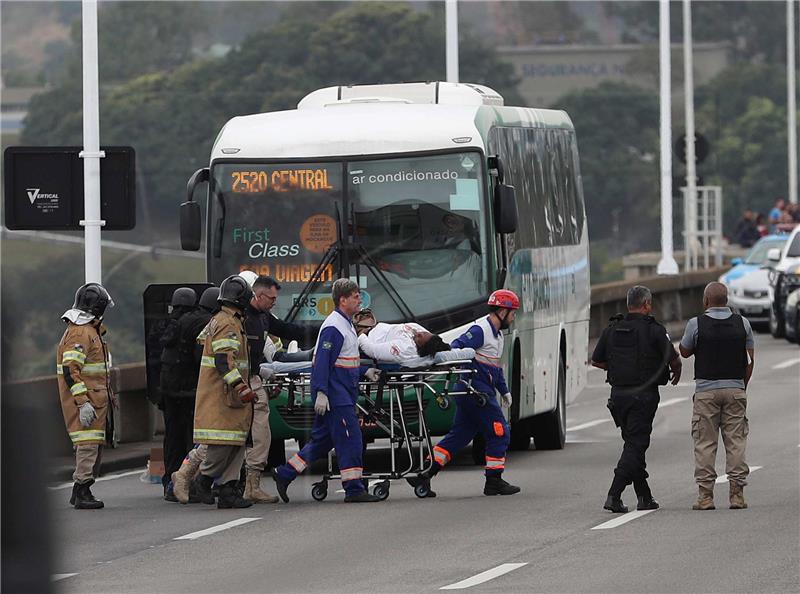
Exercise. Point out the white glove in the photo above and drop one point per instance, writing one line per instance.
(266, 371)
(506, 398)
(269, 350)
(86, 414)
(321, 404)
(372, 374)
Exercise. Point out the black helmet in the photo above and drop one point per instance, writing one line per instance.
(92, 298)
(185, 297)
(235, 291)
(208, 300)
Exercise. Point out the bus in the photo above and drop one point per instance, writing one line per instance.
(430, 195)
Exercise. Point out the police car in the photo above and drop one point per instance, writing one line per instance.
(748, 280)
(784, 278)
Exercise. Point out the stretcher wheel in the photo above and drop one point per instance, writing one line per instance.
(319, 491)
(481, 400)
(422, 489)
(443, 402)
(381, 490)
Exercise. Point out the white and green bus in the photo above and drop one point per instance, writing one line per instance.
(431, 195)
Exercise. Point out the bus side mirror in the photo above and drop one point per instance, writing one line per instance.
(191, 219)
(190, 226)
(505, 209)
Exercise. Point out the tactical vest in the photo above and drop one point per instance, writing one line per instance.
(633, 360)
(721, 348)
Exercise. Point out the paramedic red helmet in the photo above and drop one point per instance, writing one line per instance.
(505, 299)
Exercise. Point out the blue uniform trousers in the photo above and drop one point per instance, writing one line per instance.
(471, 418)
(338, 428)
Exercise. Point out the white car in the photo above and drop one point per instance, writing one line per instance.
(784, 277)
(748, 281)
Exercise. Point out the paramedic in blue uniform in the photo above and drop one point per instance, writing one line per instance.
(475, 415)
(334, 383)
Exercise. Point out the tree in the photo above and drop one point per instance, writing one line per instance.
(757, 29)
(171, 117)
(617, 129)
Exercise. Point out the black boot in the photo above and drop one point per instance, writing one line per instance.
(280, 485)
(361, 497)
(495, 485)
(229, 497)
(614, 504)
(169, 495)
(202, 488)
(643, 495)
(74, 492)
(84, 498)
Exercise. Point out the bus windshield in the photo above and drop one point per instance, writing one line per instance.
(418, 224)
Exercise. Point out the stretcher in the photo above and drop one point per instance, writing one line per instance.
(381, 406)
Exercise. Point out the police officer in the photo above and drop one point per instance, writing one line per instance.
(638, 355)
(723, 348)
(178, 383)
(483, 415)
(260, 323)
(224, 411)
(195, 322)
(334, 382)
(84, 387)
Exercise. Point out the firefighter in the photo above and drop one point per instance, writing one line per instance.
(334, 382)
(482, 415)
(196, 321)
(84, 387)
(224, 409)
(260, 323)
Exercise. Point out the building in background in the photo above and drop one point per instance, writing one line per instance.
(547, 72)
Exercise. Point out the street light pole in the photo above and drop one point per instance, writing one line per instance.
(667, 264)
(451, 39)
(91, 153)
(791, 105)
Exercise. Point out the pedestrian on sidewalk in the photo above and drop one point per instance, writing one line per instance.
(223, 410)
(260, 324)
(638, 355)
(334, 384)
(85, 388)
(723, 348)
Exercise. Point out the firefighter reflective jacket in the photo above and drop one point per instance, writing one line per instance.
(82, 368)
(220, 417)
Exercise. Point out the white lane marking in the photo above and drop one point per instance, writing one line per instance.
(588, 424)
(485, 576)
(110, 477)
(623, 519)
(215, 529)
(787, 363)
(724, 477)
(61, 576)
(672, 401)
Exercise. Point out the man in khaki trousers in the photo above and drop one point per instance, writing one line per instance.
(722, 344)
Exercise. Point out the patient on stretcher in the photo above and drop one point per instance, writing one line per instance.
(406, 345)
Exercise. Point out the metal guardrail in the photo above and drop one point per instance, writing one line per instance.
(676, 298)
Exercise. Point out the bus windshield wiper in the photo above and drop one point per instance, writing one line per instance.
(328, 257)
